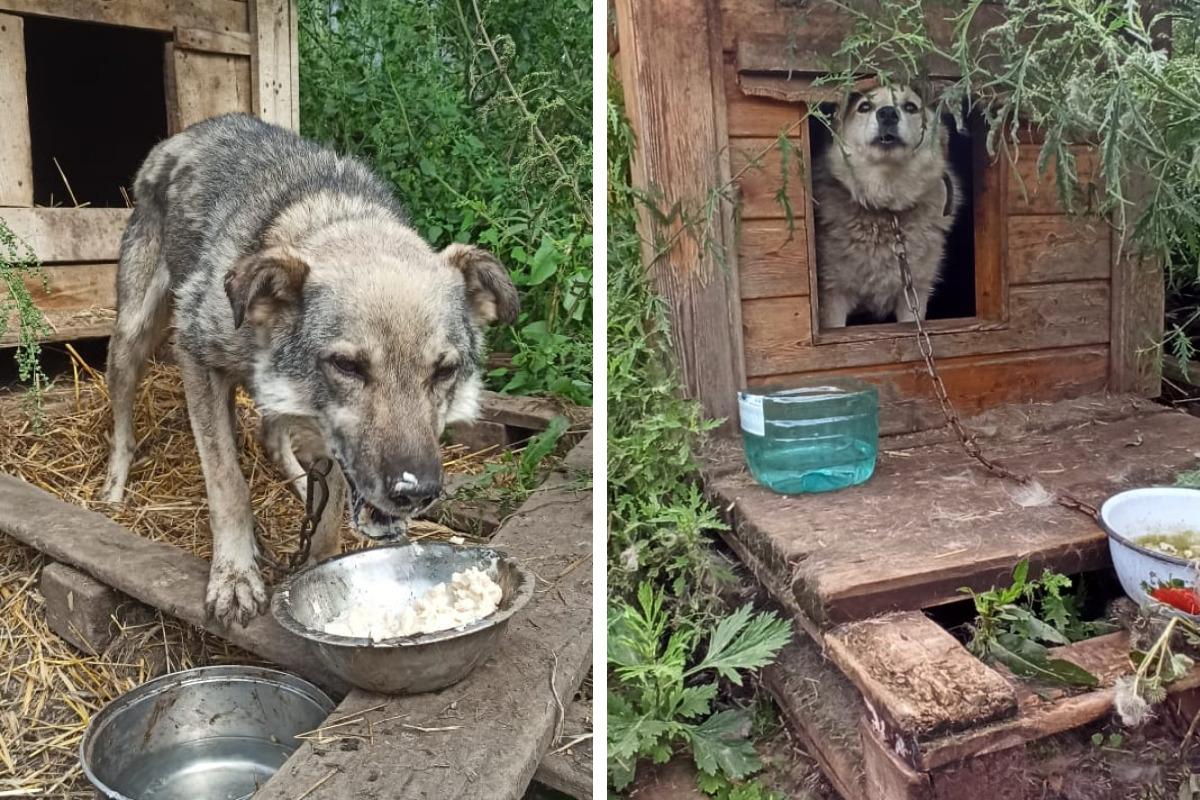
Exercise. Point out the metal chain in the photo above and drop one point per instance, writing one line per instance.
(925, 344)
(314, 508)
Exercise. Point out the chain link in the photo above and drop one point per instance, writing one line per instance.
(314, 508)
(968, 441)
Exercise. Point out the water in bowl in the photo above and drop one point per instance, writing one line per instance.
(818, 437)
(220, 768)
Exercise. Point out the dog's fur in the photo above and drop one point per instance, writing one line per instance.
(888, 156)
(290, 270)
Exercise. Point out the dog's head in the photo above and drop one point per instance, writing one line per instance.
(886, 124)
(375, 339)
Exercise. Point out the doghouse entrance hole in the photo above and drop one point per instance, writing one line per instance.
(97, 104)
(955, 295)
(1094, 590)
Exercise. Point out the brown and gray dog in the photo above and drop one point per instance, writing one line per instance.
(889, 156)
(290, 270)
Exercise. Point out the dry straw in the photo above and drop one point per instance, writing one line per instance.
(48, 689)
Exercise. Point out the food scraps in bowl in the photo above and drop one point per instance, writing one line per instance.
(1181, 544)
(469, 596)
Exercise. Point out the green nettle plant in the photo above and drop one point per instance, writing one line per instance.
(663, 694)
(1122, 78)
(17, 265)
(479, 113)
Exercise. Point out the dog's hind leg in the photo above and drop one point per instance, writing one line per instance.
(326, 539)
(235, 588)
(277, 440)
(143, 313)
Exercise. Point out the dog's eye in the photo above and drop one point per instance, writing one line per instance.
(444, 372)
(910, 107)
(347, 366)
(864, 107)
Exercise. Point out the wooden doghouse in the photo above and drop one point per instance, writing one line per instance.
(1051, 337)
(88, 88)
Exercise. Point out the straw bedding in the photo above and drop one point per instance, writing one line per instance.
(48, 689)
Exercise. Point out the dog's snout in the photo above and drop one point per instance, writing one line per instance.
(887, 115)
(408, 491)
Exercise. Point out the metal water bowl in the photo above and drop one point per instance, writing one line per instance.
(214, 732)
(394, 576)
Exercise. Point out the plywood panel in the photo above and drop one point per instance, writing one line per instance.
(777, 332)
(69, 234)
(16, 161)
(209, 84)
(78, 300)
(159, 15)
(772, 261)
(1032, 192)
(758, 165)
(758, 116)
(273, 30)
(1047, 249)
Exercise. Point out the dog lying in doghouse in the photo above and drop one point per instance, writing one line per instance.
(290, 270)
(889, 155)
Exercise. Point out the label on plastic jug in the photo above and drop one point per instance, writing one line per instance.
(750, 411)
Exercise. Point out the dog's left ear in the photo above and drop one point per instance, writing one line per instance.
(261, 284)
(490, 290)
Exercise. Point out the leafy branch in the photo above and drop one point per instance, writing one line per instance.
(18, 264)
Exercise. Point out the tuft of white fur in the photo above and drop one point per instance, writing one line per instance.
(465, 407)
(1032, 495)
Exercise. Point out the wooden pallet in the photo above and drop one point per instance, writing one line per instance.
(856, 569)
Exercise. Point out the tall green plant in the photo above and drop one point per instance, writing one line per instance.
(479, 113)
(18, 264)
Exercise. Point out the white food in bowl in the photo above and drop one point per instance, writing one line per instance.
(469, 596)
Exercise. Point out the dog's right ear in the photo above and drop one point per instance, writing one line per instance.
(259, 285)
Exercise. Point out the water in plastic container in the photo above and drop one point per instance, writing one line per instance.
(817, 437)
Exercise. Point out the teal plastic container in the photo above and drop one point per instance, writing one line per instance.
(816, 437)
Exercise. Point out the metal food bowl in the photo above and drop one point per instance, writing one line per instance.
(396, 575)
(213, 732)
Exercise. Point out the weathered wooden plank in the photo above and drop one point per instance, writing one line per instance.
(273, 30)
(156, 573)
(1050, 249)
(778, 336)
(223, 42)
(929, 521)
(672, 77)
(807, 50)
(16, 159)
(989, 201)
(757, 116)
(758, 165)
(531, 413)
(493, 728)
(772, 261)
(570, 772)
(159, 15)
(917, 681)
(1137, 313)
(78, 301)
(69, 234)
(886, 776)
(209, 84)
(1031, 192)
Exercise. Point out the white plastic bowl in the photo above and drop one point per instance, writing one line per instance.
(1130, 515)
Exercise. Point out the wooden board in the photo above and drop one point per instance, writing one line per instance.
(158, 574)
(1137, 313)
(779, 340)
(78, 301)
(159, 15)
(672, 74)
(772, 261)
(760, 164)
(1053, 249)
(483, 737)
(929, 522)
(757, 116)
(59, 235)
(1032, 192)
(917, 681)
(975, 383)
(273, 27)
(570, 771)
(16, 159)
(208, 84)
(226, 43)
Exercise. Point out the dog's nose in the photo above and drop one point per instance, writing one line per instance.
(887, 115)
(410, 493)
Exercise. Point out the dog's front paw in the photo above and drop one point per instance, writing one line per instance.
(113, 490)
(235, 593)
